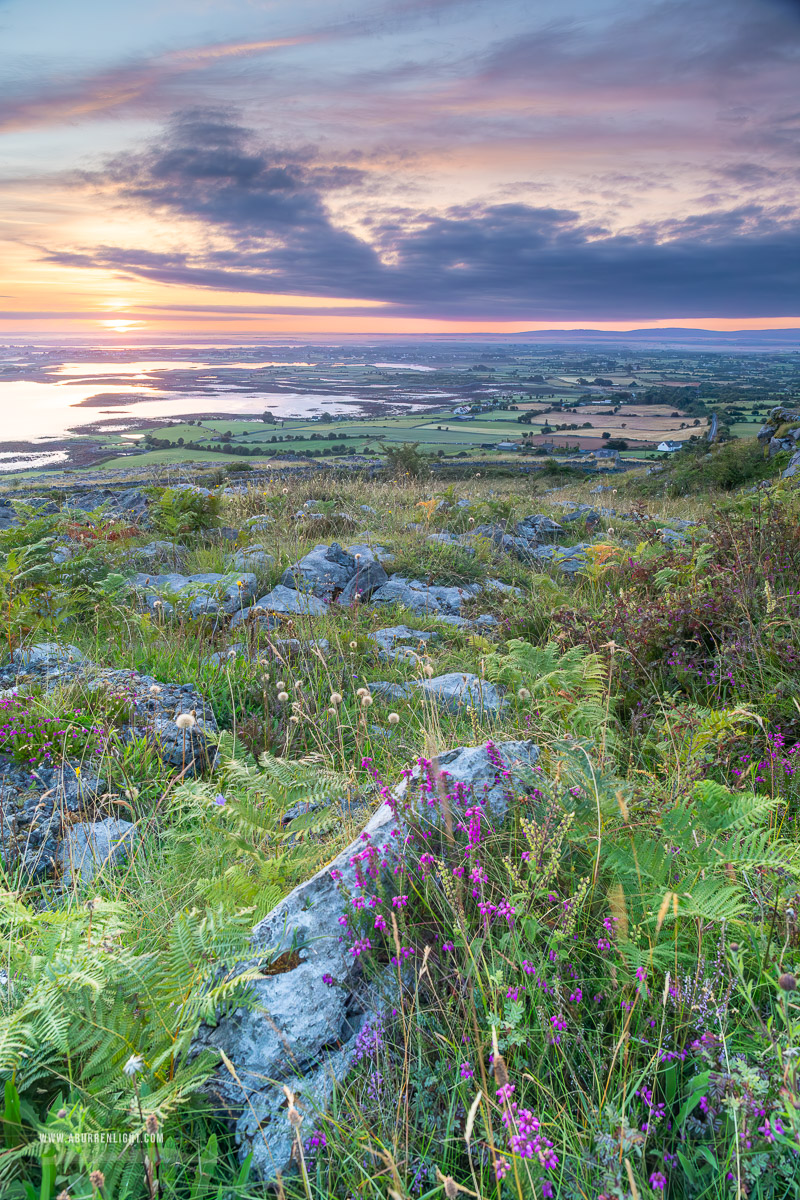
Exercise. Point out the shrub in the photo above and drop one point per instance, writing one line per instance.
(406, 459)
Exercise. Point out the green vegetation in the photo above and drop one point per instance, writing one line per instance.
(596, 989)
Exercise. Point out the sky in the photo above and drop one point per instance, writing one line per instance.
(249, 167)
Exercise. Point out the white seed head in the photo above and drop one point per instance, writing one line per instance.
(294, 719)
(298, 683)
(336, 698)
(394, 718)
(331, 712)
(283, 696)
(362, 691)
(280, 685)
(186, 721)
(154, 690)
(354, 645)
(133, 1066)
(524, 694)
(427, 670)
(366, 701)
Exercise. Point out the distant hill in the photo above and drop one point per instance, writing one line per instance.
(673, 335)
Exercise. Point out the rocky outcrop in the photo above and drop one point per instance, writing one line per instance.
(322, 572)
(421, 597)
(288, 601)
(781, 432)
(91, 846)
(304, 1027)
(455, 692)
(399, 642)
(206, 594)
(332, 572)
(38, 802)
(253, 558)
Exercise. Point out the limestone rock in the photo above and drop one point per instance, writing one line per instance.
(284, 599)
(45, 656)
(390, 642)
(324, 571)
(91, 846)
(253, 558)
(303, 1031)
(367, 579)
(156, 552)
(454, 691)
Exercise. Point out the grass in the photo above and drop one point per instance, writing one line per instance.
(612, 949)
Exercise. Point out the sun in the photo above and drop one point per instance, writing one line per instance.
(120, 326)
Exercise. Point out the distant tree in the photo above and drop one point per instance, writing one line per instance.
(405, 459)
(606, 435)
(268, 418)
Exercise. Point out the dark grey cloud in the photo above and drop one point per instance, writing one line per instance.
(208, 166)
(511, 261)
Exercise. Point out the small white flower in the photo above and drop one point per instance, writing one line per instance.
(133, 1066)
(186, 721)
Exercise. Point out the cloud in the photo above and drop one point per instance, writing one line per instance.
(269, 230)
(143, 86)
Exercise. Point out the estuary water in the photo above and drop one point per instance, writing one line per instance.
(31, 411)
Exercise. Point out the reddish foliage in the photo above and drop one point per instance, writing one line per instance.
(89, 535)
